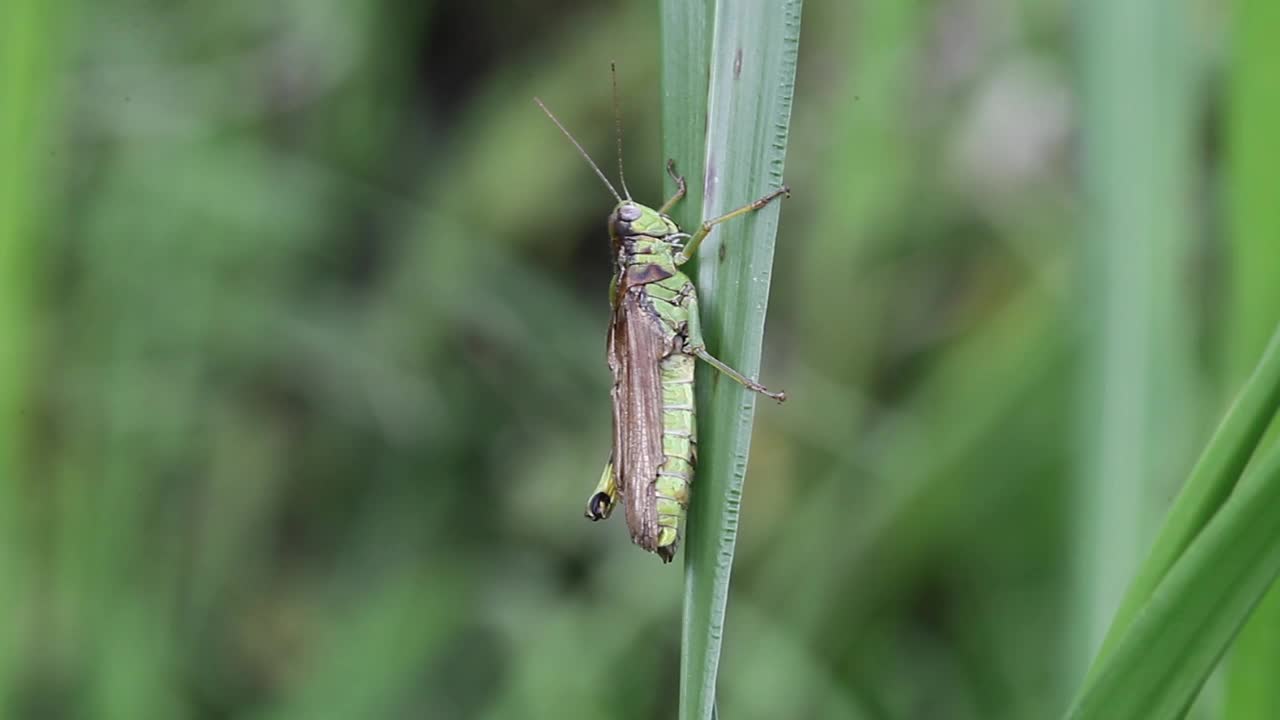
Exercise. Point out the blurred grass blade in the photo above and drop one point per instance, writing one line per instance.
(1253, 147)
(30, 54)
(753, 62)
(1161, 660)
(1136, 170)
(1211, 482)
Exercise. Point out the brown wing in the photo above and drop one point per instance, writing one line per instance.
(636, 348)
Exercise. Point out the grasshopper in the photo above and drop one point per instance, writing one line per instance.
(655, 338)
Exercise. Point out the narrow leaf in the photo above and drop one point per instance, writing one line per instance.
(686, 53)
(1136, 171)
(32, 53)
(752, 77)
(1210, 484)
(1253, 145)
(1161, 660)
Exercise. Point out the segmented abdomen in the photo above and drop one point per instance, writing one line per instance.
(679, 448)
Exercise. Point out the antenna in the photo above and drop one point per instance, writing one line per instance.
(617, 121)
(584, 154)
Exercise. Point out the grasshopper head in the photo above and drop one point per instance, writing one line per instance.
(632, 218)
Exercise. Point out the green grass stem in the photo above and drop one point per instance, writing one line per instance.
(752, 76)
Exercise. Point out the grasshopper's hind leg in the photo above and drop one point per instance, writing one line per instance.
(605, 497)
(738, 377)
(695, 345)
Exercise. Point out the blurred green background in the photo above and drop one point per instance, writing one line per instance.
(302, 380)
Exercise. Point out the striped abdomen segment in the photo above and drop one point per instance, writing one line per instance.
(679, 448)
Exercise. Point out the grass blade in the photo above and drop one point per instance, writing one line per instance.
(1252, 693)
(1136, 170)
(30, 55)
(1162, 658)
(686, 52)
(1211, 483)
(753, 61)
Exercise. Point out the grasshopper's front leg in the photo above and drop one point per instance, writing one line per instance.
(691, 248)
(680, 188)
(605, 497)
(695, 345)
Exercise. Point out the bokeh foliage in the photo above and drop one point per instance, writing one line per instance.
(301, 355)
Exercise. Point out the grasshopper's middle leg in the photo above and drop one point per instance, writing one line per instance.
(697, 346)
(605, 496)
(691, 247)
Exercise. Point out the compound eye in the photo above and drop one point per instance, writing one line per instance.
(629, 213)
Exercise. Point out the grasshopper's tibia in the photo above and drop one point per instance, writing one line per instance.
(680, 188)
(605, 497)
(738, 377)
(691, 248)
(696, 346)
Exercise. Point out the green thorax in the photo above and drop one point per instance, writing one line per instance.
(643, 246)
